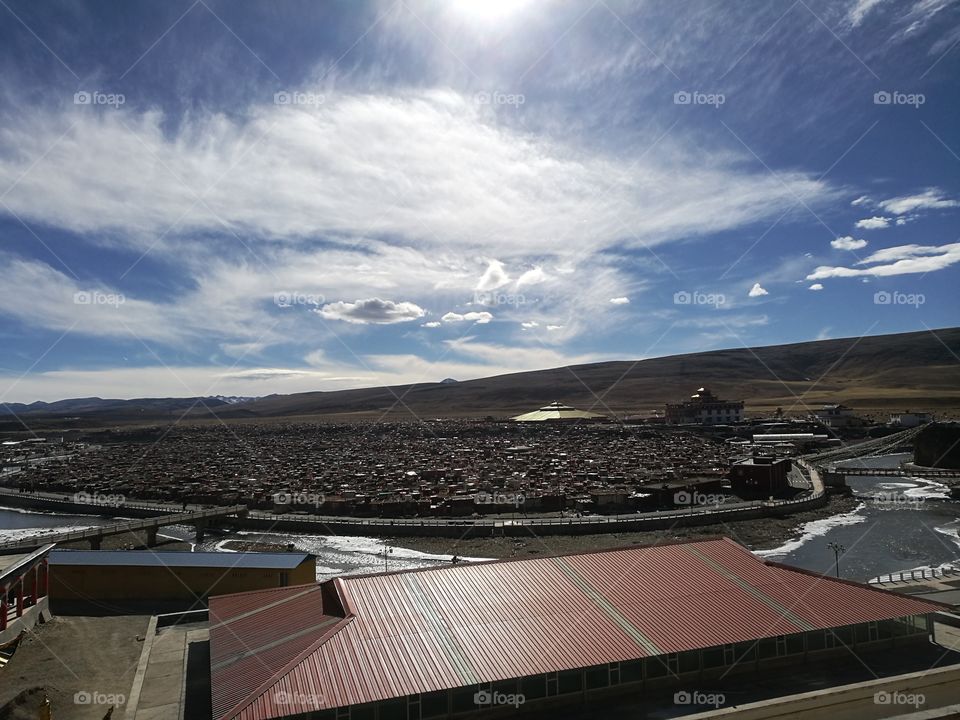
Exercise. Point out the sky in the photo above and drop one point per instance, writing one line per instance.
(218, 198)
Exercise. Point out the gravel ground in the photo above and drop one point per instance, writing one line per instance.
(70, 655)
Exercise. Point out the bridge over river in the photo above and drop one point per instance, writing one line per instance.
(200, 519)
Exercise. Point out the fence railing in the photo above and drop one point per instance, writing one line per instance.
(720, 510)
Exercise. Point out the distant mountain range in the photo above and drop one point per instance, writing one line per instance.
(916, 371)
(95, 405)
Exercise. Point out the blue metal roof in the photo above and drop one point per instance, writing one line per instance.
(168, 558)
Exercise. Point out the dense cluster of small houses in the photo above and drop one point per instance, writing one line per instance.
(437, 468)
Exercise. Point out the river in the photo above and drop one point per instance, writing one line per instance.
(900, 524)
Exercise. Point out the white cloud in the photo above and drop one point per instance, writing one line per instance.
(930, 199)
(859, 10)
(372, 311)
(900, 260)
(481, 318)
(920, 14)
(620, 301)
(284, 172)
(816, 286)
(757, 291)
(431, 324)
(38, 295)
(862, 200)
(873, 223)
(847, 243)
(532, 277)
(554, 327)
(493, 277)
(529, 325)
(316, 358)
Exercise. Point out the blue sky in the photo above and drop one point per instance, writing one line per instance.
(202, 198)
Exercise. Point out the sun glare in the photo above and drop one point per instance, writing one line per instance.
(488, 10)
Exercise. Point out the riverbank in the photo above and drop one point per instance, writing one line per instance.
(757, 534)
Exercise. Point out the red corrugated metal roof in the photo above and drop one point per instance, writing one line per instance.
(367, 638)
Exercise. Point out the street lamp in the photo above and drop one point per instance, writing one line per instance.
(838, 550)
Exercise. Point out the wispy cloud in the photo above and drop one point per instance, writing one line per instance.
(900, 260)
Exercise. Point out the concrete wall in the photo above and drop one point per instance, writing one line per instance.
(32, 615)
(938, 688)
(161, 583)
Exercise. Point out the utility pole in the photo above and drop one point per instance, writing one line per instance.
(838, 550)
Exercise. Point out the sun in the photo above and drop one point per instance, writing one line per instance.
(488, 9)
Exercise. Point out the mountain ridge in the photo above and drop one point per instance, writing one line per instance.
(917, 370)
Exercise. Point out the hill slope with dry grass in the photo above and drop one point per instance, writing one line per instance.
(911, 370)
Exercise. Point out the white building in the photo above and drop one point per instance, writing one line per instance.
(835, 416)
(910, 419)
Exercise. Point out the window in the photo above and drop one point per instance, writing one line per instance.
(462, 699)
(781, 645)
(873, 632)
(597, 677)
(656, 666)
(794, 644)
(393, 710)
(729, 655)
(673, 663)
(746, 651)
(552, 684)
(690, 661)
(614, 673)
(713, 657)
(535, 686)
(569, 681)
(631, 671)
(433, 704)
(767, 648)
